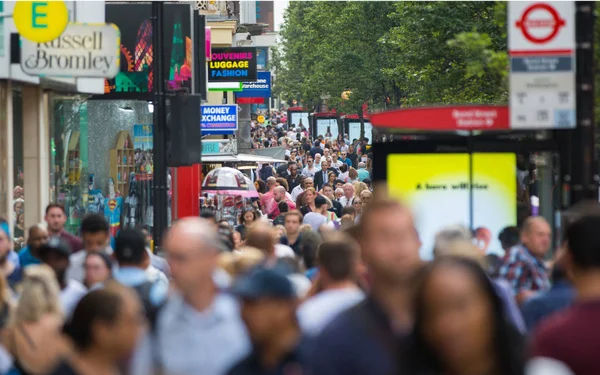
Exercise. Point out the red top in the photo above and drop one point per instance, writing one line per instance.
(572, 337)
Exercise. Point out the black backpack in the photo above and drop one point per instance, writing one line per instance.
(143, 291)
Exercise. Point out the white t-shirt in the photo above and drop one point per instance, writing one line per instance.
(296, 191)
(320, 310)
(70, 296)
(315, 220)
(283, 251)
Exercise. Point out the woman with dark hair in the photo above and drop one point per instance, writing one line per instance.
(460, 327)
(260, 186)
(247, 219)
(104, 330)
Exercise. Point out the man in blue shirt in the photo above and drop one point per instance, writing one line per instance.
(9, 260)
(29, 255)
(559, 297)
(198, 330)
(367, 338)
(269, 303)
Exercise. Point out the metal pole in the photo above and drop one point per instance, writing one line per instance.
(584, 179)
(160, 122)
(200, 55)
(470, 151)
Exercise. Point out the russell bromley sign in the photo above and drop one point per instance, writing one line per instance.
(82, 50)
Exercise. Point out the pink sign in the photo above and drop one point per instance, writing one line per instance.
(207, 47)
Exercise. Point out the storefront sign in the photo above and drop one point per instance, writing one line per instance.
(438, 189)
(232, 65)
(40, 21)
(444, 118)
(259, 89)
(82, 50)
(219, 147)
(541, 44)
(219, 119)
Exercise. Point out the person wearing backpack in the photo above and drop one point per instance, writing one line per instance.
(130, 252)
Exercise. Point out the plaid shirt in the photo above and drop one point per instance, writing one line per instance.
(523, 271)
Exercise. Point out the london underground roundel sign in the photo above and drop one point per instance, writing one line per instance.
(540, 23)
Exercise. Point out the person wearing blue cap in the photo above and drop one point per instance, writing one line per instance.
(269, 305)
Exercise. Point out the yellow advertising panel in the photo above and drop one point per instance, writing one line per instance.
(436, 186)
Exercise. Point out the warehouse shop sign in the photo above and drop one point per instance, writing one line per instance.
(82, 50)
(232, 65)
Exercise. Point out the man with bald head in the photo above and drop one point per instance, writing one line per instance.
(29, 255)
(196, 313)
(279, 195)
(524, 266)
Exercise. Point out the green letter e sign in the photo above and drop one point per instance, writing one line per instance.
(35, 14)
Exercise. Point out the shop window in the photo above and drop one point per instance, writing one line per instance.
(104, 162)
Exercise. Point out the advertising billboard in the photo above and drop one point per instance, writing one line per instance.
(354, 130)
(235, 64)
(327, 127)
(135, 73)
(436, 186)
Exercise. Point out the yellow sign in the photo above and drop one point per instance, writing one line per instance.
(41, 21)
(438, 189)
(261, 119)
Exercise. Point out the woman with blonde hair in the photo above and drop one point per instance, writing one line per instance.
(34, 336)
(359, 187)
(246, 258)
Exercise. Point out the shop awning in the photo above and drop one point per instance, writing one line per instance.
(239, 158)
(244, 158)
(213, 159)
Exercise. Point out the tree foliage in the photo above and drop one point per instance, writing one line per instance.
(392, 53)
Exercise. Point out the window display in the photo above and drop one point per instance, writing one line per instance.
(103, 161)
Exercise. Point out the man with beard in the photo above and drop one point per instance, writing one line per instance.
(56, 218)
(293, 178)
(55, 253)
(30, 255)
(367, 338)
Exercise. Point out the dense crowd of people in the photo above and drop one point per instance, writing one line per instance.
(306, 296)
(320, 276)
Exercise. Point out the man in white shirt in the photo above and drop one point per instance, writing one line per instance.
(55, 253)
(310, 170)
(317, 218)
(318, 161)
(300, 188)
(96, 238)
(335, 162)
(348, 197)
(337, 260)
